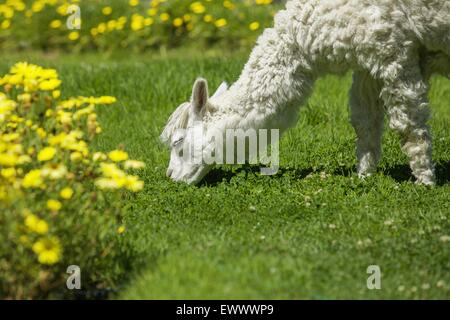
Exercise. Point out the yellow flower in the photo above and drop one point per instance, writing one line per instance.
(74, 35)
(24, 97)
(98, 156)
(33, 223)
(54, 171)
(254, 26)
(56, 94)
(208, 18)
(48, 250)
(111, 170)
(164, 16)
(133, 3)
(41, 227)
(134, 164)
(31, 220)
(8, 173)
(55, 24)
(49, 85)
(46, 154)
(229, 5)
(24, 239)
(5, 24)
(152, 11)
(107, 183)
(33, 179)
(121, 229)
(41, 133)
(220, 23)
(118, 155)
(263, 2)
(137, 23)
(66, 193)
(107, 10)
(197, 7)
(106, 100)
(54, 205)
(148, 21)
(132, 183)
(178, 22)
(8, 160)
(76, 156)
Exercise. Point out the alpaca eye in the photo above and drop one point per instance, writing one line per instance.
(177, 142)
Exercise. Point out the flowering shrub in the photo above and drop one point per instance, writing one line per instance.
(134, 24)
(60, 200)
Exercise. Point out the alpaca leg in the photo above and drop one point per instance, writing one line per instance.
(367, 116)
(408, 110)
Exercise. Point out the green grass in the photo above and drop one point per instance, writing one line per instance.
(316, 227)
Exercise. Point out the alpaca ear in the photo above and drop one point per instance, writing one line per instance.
(199, 94)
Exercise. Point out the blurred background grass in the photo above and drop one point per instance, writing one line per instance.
(132, 25)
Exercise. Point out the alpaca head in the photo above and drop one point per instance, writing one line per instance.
(186, 135)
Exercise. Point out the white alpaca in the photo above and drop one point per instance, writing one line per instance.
(393, 46)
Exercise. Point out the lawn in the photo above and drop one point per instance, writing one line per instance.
(310, 231)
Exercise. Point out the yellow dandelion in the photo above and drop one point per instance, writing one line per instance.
(133, 3)
(5, 24)
(164, 16)
(97, 156)
(134, 164)
(254, 26)
(41, 133)
(54, 205)
(74, 35)
(76, 156)
(48, 250)
(107, 10)
(54, 171)
(118, 155)
(41, 227)
(46, 154)
(197, 7)
(49, 85)
(66, 193)
(107, 183)
(33, 223)
(106, 100)
(56, 94)
(33, 179)
(220, 23)
(132, 183)
(121, 229)
(55, 24)
(8, 173)
(178, 22)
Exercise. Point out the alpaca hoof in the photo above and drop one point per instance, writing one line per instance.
(364, 175)
(426, 181)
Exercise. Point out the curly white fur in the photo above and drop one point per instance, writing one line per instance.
(393, 46)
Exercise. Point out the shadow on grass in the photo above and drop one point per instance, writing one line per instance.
(219, 174)
(400, 173)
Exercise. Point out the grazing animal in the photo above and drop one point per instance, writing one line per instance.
(392, 46)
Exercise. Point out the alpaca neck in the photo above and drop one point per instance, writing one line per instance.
(272, 86)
